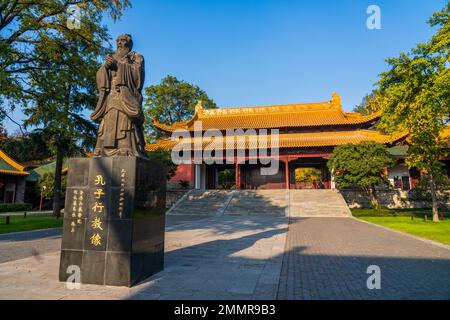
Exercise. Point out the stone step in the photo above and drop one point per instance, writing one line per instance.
(198, 202)
(317, 203)
(296, 203)
(258, 202)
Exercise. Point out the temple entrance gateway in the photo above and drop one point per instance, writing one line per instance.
(309, 173)
(220, 177)
(308, 178)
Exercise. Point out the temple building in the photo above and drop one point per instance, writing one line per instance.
(308, 133)
(13, 179)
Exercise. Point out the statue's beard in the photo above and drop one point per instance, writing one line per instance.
(121, 52)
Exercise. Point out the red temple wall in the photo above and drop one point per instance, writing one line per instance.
(184, 172)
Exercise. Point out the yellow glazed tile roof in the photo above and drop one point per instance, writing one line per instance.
(287, 140)
(9, 166)
(278, 116)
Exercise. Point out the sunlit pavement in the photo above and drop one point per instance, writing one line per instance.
(250, 257)
(212, 258)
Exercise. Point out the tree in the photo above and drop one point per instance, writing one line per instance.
(307, 175)
(227, 179)
(22, 26)
(164, 157)
(3, 135)
(414, 95)
(363, 165)
(46, 185)
(369, 104)
(172, 101)
(57, 77)
(30, 147)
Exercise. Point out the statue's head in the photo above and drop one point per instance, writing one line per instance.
(124, 41)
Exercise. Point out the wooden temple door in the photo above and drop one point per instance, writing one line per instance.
(210, 177)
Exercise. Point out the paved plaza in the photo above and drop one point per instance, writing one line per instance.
(247, 257)
(327, 258)
(212, 258)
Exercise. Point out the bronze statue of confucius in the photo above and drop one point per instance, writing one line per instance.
(119, 109)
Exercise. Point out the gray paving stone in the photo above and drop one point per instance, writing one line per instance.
(211, 258)
(327, 258)
(249, 257)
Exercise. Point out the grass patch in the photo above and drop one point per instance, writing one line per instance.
(400, 219)
(19, 223)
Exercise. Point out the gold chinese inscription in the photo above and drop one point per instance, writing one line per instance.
(98, 208)
(123, 174)
(99, 180)
(99, 193)
(96, 223)
(77, 209)
(96, 239)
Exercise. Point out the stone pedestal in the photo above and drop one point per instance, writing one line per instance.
(114, 220)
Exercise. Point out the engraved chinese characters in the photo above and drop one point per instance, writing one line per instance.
(122, 192)
(77, 209)
(98, 210)
(116, 205)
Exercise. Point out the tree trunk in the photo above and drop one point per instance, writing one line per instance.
(434, 199)
(373, 197)
(57, 182)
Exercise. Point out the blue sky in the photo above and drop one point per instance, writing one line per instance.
(263, 52)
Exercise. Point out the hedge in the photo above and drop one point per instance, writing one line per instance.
(11, 207)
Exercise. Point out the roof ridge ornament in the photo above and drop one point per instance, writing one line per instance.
(199, 107)
(336, 100)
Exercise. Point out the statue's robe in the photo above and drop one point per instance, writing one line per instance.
(119, 108)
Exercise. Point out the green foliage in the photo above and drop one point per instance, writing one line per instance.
(19, 223)
(227, 178)
(27, 25)
(47, 184)
(50, 69)
(13, 207)
(184, 184)
(384, 212)
(414, 95)
(307, 175)
(367, 106)
(361, 165)
(171, 101)
(422, 190)
(400, 219)
(30, 147)
(164, 157)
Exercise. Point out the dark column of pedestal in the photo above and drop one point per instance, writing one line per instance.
(119, 239)
(148, 220)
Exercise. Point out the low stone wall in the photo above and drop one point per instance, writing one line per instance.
(387, 198)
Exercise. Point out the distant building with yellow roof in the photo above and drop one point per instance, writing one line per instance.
(308, 133)
(13, 178)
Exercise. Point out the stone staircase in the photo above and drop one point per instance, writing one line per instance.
(317, 203)
(294, 203)
(201, 202)
(258, 203)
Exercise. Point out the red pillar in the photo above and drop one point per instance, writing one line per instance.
(238, 175)
(286, 170)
